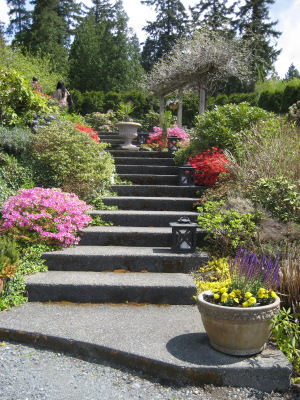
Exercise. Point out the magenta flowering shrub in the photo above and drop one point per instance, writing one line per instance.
(158, 139)
(47, 216)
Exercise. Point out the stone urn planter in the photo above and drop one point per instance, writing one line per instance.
(128, 131)
(236, 330)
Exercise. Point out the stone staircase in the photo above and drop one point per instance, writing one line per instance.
(130, 261)
(122, 296)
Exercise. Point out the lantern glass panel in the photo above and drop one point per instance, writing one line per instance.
(186, 175)
(173, 143)
(184, 237)
(142, 138)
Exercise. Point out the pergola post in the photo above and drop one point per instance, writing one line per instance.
(161, 109)
(179, 110)
(202, 101)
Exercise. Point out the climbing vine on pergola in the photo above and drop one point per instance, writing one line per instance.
(196, 63)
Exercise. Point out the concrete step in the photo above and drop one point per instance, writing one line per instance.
(143, 161)
(106, 136)
(150, 179)
(159, 190)
(109, 287)
(151, 203)
(140, 153)
(142, 218)
(131, 236)
(147, 169)
(133, 259)
(166, 342)
(113, 142)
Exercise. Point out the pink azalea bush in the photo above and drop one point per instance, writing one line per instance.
(47, 216)
(158, 139)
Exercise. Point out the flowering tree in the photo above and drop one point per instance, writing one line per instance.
(197, 62)
(47, 216)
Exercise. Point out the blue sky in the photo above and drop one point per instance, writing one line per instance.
(285, 11)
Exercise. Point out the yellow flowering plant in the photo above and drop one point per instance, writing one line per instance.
(227, 296)
(252, 283)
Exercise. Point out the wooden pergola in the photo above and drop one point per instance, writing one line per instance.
(195, 62)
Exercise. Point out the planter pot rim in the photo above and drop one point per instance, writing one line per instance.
(128, 124)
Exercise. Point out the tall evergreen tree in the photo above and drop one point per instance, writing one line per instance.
(170, 25)
(104, 54)
(292, 73)
(214, 14)
(253, 25)
(50, 31)
(2, 29)
(71, 12)
(19, 17)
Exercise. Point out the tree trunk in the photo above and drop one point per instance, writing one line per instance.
(179, 110)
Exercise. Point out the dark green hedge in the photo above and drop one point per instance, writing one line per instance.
(89, 102)
(279, 101)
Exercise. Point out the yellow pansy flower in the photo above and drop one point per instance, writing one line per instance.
(251, 300)
(216, 296)
(245, 304)
(248, 295)
(224, 297)
(223, 290)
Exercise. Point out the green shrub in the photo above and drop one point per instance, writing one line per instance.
(226, 127)
(16, 139)
(291, 94)
(28, 66)
(92, 102)
(71, 160)
(102, 121)
(271, 101)
(13, 175)
(227, 229)
(150, 120)
(18, 103)
(9, 257)
(278, 196)
(234, 98)
(286, 333)
(112, 101)
(294, 113)
(259, 161)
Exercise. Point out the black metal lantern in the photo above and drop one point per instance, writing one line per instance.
(173, 143)
(186, 175)
(184, 235)
(142, 138)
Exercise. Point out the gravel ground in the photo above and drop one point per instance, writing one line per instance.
(30, 373)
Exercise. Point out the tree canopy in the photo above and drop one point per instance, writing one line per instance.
(205, 57)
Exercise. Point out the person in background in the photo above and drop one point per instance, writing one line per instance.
(35, 85)
(62, 95)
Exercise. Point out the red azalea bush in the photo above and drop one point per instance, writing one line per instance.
(93, 135)
(209, 165)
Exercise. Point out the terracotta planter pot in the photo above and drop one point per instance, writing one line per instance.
(236, 330)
